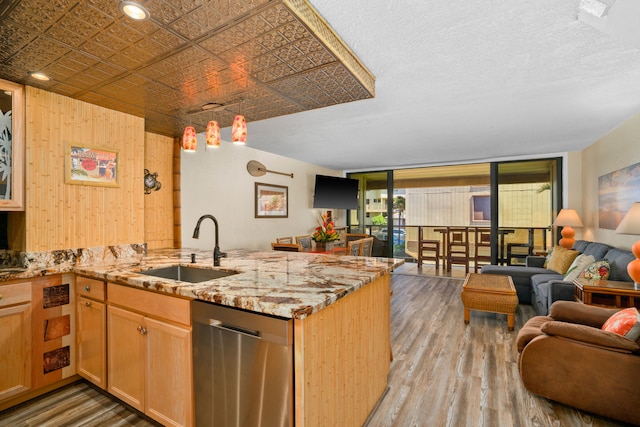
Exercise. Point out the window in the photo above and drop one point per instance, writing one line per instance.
(480, 209)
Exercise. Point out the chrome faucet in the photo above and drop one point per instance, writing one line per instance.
(216, 250)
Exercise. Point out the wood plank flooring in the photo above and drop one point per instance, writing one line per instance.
(78, 404)
(444, 373)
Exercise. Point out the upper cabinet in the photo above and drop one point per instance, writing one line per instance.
(12, 142)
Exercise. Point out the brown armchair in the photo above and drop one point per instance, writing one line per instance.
(567, 357)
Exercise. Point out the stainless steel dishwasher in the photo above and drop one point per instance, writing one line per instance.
(242, 367)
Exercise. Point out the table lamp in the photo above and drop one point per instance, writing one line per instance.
(567, 219)
(631, 225)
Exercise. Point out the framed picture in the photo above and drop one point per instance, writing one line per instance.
(616, 193)
(272, 201)
(91, 166)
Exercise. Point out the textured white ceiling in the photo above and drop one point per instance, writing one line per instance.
(465, 80)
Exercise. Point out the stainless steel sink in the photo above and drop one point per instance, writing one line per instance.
(187, 274)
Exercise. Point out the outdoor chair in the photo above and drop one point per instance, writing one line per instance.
(482, 253)
(428, 249)
(458, 247)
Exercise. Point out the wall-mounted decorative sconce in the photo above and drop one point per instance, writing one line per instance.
(151, 182)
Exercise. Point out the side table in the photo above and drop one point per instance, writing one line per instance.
(607, 293)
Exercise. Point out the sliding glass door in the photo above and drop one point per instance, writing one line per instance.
(528, 193)
(516, 200)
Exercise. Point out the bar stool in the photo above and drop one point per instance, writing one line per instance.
(428, 249)
(483, 248)
(458, 247)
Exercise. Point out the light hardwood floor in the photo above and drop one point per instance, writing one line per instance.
(444, 373)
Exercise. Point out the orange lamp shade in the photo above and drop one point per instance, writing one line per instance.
(567, 219)
(239, 130)
(189, 140)
(213, 134)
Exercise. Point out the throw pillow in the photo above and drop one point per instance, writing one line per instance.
(625, 322)
(577, 266)
(596, 271)
(561, 259)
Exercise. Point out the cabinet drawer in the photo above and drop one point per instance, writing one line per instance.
(15, 293)
(163, 306)
(90, 288)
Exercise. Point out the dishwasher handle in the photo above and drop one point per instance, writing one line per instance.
(235, 329)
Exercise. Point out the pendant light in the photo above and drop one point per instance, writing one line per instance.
(213, 134)
(239, 130)
(189, 139)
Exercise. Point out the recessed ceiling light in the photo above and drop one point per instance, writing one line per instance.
(134, 10)
(40, 76)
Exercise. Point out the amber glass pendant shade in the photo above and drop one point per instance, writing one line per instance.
(189, 140)
(213, 134)
(239, 130)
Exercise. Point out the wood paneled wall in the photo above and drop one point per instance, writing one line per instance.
(177, 206)
(158, 205)
(59, 215)
(342, 357)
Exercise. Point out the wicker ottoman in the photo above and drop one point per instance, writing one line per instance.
(489, 292)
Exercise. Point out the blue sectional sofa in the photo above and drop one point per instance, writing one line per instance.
(540, 286)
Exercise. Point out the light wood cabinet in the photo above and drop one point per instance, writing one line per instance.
(126, 356)
(15, 339)
(91, 335)
(91, 331)
(149, 353)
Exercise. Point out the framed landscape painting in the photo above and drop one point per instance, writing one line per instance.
(617, 191)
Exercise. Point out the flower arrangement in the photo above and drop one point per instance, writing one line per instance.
(326, 231)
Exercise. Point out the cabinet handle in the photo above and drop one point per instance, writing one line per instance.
(87, 288)
(0, 296)
(142, 330)
(88, 303)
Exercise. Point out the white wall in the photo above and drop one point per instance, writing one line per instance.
(618, 149)
(216, 182)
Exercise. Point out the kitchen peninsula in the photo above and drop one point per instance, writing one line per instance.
(339, 306)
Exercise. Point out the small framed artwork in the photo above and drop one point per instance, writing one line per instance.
(272, 201)
(91, 166)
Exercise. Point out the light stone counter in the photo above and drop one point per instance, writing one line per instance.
(284, 284)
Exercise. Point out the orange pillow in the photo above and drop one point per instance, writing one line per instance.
(561, 259)
(625, 322)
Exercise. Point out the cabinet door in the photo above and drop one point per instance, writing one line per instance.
(15, 356)
(169, 373)
(126, 356)
(91, 336)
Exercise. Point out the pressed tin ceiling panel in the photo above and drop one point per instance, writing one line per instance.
(257, 57)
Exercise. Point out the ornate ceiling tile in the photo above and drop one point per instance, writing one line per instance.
(259, 57)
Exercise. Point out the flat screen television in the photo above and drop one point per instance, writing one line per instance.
(332, 192)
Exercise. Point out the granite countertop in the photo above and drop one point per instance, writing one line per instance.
(284, 284)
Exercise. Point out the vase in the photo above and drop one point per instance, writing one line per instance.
(324, 246)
